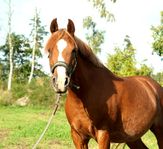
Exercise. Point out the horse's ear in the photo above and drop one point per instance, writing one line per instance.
(54, 25)
(71, 27)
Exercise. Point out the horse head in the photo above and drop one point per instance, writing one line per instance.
(62, 50)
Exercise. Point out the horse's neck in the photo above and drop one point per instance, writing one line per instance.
(91, 78)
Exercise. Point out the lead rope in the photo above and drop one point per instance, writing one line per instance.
(49, 121)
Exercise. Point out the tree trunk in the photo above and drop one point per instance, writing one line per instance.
(34, 50)
(11, 63)
(10, 48)
(32, 65)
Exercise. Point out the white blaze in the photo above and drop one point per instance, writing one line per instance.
(61, 45)
(61, 71)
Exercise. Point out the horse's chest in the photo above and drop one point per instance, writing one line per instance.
(84, 126)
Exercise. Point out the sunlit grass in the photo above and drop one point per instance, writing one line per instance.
(21, 127)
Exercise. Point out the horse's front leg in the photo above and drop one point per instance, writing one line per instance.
(80, 141)
(103, 139)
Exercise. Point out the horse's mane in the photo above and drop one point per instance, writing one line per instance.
(87, 53)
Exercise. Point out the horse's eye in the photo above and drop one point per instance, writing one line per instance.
(73, 51)
(49, 55)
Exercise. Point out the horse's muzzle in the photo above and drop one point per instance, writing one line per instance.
(61, 85)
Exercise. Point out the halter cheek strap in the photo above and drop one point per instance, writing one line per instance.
(73, 63)
(69, 68)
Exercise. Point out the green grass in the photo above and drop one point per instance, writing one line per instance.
(21, 127)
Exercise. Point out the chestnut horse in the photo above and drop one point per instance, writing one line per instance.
(99, 104)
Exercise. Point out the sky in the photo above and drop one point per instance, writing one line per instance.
(132, 17)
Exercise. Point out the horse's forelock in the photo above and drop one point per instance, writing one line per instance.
(53, 39)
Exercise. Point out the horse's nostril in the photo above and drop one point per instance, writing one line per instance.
(54, 80)
(67, 81)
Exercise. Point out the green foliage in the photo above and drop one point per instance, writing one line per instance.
(144, 70)
(94, 36)
(123, 61)
(21, 55)
(100, 5)
(5, 98)
(21, 58)
(39, 91)
(1, 74)
(37, 33)
(158, 37)
(158, 77)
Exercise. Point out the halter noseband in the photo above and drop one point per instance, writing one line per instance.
(59, 63)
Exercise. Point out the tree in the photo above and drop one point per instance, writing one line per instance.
(21, 54)
(100, 5)
(21, 59)
(158, 37)
(94, 36)
(123, 61)
(144, 70)
(37, 33)
(158, 77)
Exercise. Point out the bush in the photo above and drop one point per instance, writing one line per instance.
(18, 90)
(5, 98)
(39, 91)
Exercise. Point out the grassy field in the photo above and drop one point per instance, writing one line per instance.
(20, 127)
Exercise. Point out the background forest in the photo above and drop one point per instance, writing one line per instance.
(21, 74)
